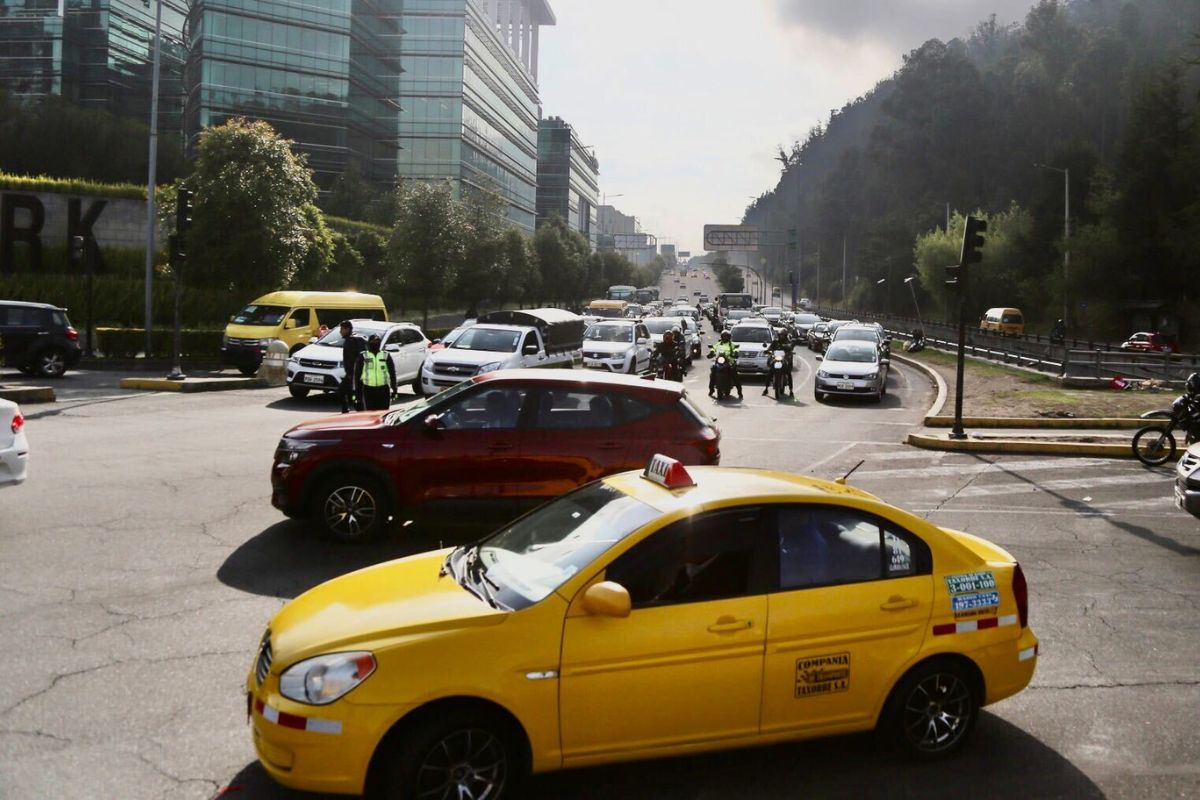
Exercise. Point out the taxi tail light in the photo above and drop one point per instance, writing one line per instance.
(18, 422)
(1021, 593)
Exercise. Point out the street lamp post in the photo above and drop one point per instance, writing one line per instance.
(887, 303)
(1066, 172)
(151, 222)
(909, 280)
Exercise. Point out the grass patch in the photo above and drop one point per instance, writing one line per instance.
(949, 361)
(75, 186)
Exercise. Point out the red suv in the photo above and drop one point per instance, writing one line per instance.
(1153, 342)
(512, 438)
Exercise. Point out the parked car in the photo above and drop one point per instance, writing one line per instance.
(853, 368)
(37, 339)
(1152, 342)
(617, 346)
(14, 447)
(1187, 481)
(318, 367)
(503, 440)
(661, 612)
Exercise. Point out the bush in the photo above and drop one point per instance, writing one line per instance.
(119, 301)
(130, 342)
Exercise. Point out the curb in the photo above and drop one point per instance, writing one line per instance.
(1092, 423)
(934, 378)
(194, 385)
(28, 394)
(1020, 447)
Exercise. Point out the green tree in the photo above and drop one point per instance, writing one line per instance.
(429, 243)
(729, 277)
(254, 222)
(561, 259)
(520, 281)
(480, 275)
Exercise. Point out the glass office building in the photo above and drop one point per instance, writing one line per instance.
(470, 98)
(321, 73)
(568, 178)
(97, 53)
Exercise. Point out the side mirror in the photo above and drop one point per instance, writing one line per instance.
(436, 341)
(530, 350)
(312, 340)
(607, 599)
(291, 323)
(433, 423)
(820, 358)
(392, 348)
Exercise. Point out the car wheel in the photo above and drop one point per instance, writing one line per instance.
(248, 371)
(932, 710)
(51, 362)
(298, 392)
(418, 390)
(818, 396)
(877, 397)
(352, 508)
(462, 753)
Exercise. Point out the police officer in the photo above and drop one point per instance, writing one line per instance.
(376, 376)
(726, 348)
(782, 342)
(352, 347)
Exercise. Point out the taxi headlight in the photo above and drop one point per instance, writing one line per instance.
(492, 367)
(321, 680)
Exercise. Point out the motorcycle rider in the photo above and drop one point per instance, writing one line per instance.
(782, 342)
(668, 351)
(1059, 334)
(726, 348)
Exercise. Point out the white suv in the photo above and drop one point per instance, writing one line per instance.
(14, 447)
(617, 346)
(318, 367)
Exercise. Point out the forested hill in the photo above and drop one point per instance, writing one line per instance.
(1105, 88)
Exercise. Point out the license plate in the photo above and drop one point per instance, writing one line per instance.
(845, 385)
(317, 379)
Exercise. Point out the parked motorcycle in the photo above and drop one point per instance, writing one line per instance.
(918, 341)
(1155, 444)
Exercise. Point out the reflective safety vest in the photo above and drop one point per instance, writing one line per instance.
(374, 370)
(727, 349)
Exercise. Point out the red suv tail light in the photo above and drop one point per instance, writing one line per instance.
(18, 422)
(72, 334)
(1021, 593)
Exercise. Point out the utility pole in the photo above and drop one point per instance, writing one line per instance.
(956, 277)
(151, 223)
(844, 271)
(818, 276)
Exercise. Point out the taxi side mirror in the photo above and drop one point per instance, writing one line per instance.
(607, 599)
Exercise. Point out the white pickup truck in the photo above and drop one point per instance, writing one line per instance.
(539, 337)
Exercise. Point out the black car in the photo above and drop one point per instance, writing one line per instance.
(37, 339)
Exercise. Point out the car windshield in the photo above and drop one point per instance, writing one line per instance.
(334, 337)
(452, 337)
(490, 340)
(610, 313)
(403, 415)
(260, 315)
(852, 351)
(542, 550)
(609, 333)
(806, 319)
(772, 311)
(752, 333)
(856, 334)
(661, 324)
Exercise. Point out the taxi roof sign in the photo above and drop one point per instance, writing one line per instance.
(668, 472)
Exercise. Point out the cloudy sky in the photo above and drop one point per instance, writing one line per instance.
(671, 92)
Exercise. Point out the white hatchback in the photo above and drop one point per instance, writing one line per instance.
(318, 367)
(14, 447)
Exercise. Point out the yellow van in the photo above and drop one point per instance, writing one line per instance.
(1004, 321)
(606, 309)
(293, 318)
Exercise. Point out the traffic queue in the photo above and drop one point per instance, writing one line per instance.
(662, 604)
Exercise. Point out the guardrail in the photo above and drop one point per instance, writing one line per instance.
(1076, 358)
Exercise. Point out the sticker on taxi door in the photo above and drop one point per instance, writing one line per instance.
(972, 594)
(819, 675)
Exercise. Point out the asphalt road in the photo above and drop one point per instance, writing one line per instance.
(142, 560)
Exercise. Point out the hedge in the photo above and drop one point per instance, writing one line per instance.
(131, 342)
(73, 186)
(119, 301)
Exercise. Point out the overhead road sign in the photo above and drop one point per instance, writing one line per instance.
(731, 237)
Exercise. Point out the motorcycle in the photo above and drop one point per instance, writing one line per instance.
(667, 369)
(778, 372)
(723, 376)
(1155, 444)
(918, 342)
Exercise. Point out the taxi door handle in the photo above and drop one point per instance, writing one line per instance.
(729, 625)
(898, 603)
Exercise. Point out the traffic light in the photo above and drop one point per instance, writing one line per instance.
(972, 241)
(183, 212)
(953, 273)
(77, 249)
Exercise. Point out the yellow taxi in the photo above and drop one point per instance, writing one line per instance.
(649, 614)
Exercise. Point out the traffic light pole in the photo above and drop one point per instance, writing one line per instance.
(973, 230)
(957, 432)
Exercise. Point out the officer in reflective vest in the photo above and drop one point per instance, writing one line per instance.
(376, 376)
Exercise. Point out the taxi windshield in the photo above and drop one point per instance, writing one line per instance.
(540, 551)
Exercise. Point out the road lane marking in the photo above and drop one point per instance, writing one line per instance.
(974, 467)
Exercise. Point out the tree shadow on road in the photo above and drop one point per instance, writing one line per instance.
(289, 557)
(1002, 761)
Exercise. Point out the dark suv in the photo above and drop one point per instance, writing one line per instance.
(37, 338)
(493, 445)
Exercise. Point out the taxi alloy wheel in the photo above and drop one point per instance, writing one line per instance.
(936, 711)
(353, 509)
(466, 764)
